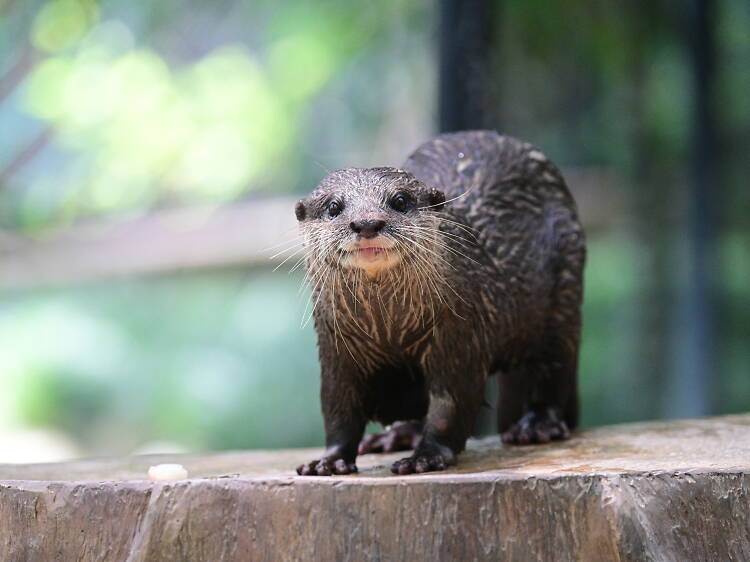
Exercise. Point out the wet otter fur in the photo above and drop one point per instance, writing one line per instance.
(426, 280)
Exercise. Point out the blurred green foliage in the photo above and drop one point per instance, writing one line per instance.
(205, 131)
(137, 130)
(62, 23)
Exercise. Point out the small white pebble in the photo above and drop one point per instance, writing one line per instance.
(167, 472)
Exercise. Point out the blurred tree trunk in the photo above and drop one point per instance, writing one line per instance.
(466, 80)
(690, 389)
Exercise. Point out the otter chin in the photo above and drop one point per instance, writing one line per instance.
(371, 255)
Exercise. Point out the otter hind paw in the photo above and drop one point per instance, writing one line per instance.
(326, 467)
(537, 426)
(400, 436)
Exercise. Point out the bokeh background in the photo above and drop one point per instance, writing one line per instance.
(150, 154)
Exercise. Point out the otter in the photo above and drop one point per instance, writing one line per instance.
(465, 263)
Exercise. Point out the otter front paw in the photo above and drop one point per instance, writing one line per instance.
(537, 426)
(326, 467)
(420, 464)
(400, 436)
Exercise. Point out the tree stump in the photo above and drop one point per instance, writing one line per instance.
(648, 491)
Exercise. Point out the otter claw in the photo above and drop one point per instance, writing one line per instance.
(326, 467)
(419, 464)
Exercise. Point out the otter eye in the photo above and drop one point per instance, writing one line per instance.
(399, 203)
(334, 208)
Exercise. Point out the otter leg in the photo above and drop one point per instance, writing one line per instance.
(399, 436)
(539, 398)
(447, 427)
(344, 417)
(344, 426)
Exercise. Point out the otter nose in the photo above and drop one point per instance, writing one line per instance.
(367, 228)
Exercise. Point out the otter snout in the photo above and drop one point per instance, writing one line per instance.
(367, 228)
(369, 246)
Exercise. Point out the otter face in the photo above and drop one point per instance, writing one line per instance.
(369, 219)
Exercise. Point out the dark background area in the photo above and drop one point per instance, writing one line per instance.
(150, 154)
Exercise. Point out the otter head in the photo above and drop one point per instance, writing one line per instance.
(369, 219)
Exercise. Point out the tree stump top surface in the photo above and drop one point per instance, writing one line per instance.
(710, 444)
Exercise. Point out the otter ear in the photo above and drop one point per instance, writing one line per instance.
(300, 211)
(436, 199)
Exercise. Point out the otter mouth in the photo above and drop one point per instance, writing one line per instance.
(371, 255)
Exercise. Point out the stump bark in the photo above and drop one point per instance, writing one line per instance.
(648, 491)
